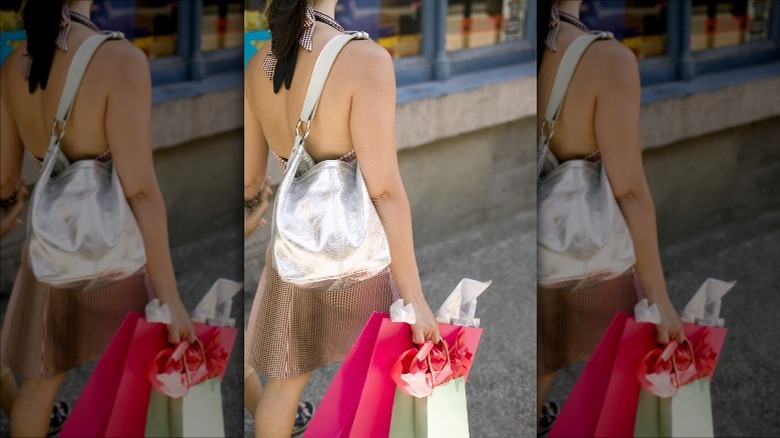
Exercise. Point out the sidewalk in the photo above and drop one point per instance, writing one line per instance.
(745, 385)
(502, 386)
(197, 266)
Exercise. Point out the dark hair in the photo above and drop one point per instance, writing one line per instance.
(285, 21)
(543, 8)
(42, 25)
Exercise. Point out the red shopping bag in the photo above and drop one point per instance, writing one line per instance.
(604, 399)
(359, 400)
(115, 400)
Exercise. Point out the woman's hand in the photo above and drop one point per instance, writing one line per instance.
(11, 217)
(255, 218)
(181, 324)
(670, 327)
(426, 328)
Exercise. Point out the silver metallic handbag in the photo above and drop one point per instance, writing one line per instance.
(582, 237)
(81, 231)
(325, 232)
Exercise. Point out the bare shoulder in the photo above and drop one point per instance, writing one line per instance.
(369, 55)
(122, 61)
(255, 63)
(612, 63)
(11, 63)
(372, 61)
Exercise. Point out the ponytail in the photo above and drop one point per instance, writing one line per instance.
(285, 21)
(42, 25)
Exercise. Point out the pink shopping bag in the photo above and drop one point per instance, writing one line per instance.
(604, 399)
(359, 400)
(115, 400)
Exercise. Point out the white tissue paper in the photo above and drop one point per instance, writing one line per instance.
(644, 312)
(401, 313)
(214, 307)
(461, 306)
(704, 307)
(157, 313)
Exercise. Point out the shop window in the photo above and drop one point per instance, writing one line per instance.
(222, 24)
(638, 24)
(151, 25)
(482, 23)
(719, 23)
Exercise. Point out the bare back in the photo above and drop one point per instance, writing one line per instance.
(277, 114)
(85, 134)
(575, 131)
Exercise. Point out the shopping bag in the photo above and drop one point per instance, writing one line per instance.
(197, 414)
(444, 413)
(158, 416)
(648, 416)
(686, 414)
(114, 400)
(186, 398)
(604, 399)
(689, 412)
(675, 399)
(359, 400)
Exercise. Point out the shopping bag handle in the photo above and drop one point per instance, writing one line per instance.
(179, 354)
(674, 358)
(446, 353)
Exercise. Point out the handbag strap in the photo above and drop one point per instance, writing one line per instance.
(562, 79)
(316, 83)
(319, 75)
(78, 67)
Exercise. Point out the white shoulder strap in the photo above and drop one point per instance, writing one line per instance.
(76, 73)
(562, 79)
(320, 73)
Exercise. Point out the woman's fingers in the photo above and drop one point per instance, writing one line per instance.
(663, 336)
(418, 337)
(190, 335)
(173, 336)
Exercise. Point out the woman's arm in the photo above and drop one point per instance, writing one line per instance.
(372, 126)
(128, 127)
(255, 161)
(10, 218)
(617, 134)
(11, 150)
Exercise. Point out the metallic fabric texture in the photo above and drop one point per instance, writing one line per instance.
(81, 232)
(325, 234)
(582, 236)
(292, 331)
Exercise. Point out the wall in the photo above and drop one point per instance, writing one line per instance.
(712, 150)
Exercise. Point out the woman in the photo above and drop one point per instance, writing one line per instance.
(49, 331)
(599, 120)
(292, 331)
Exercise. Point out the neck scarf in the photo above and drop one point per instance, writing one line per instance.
(556, 16)
(287, 66)
(68, 16)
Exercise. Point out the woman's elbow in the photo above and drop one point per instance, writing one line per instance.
(138, 195)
